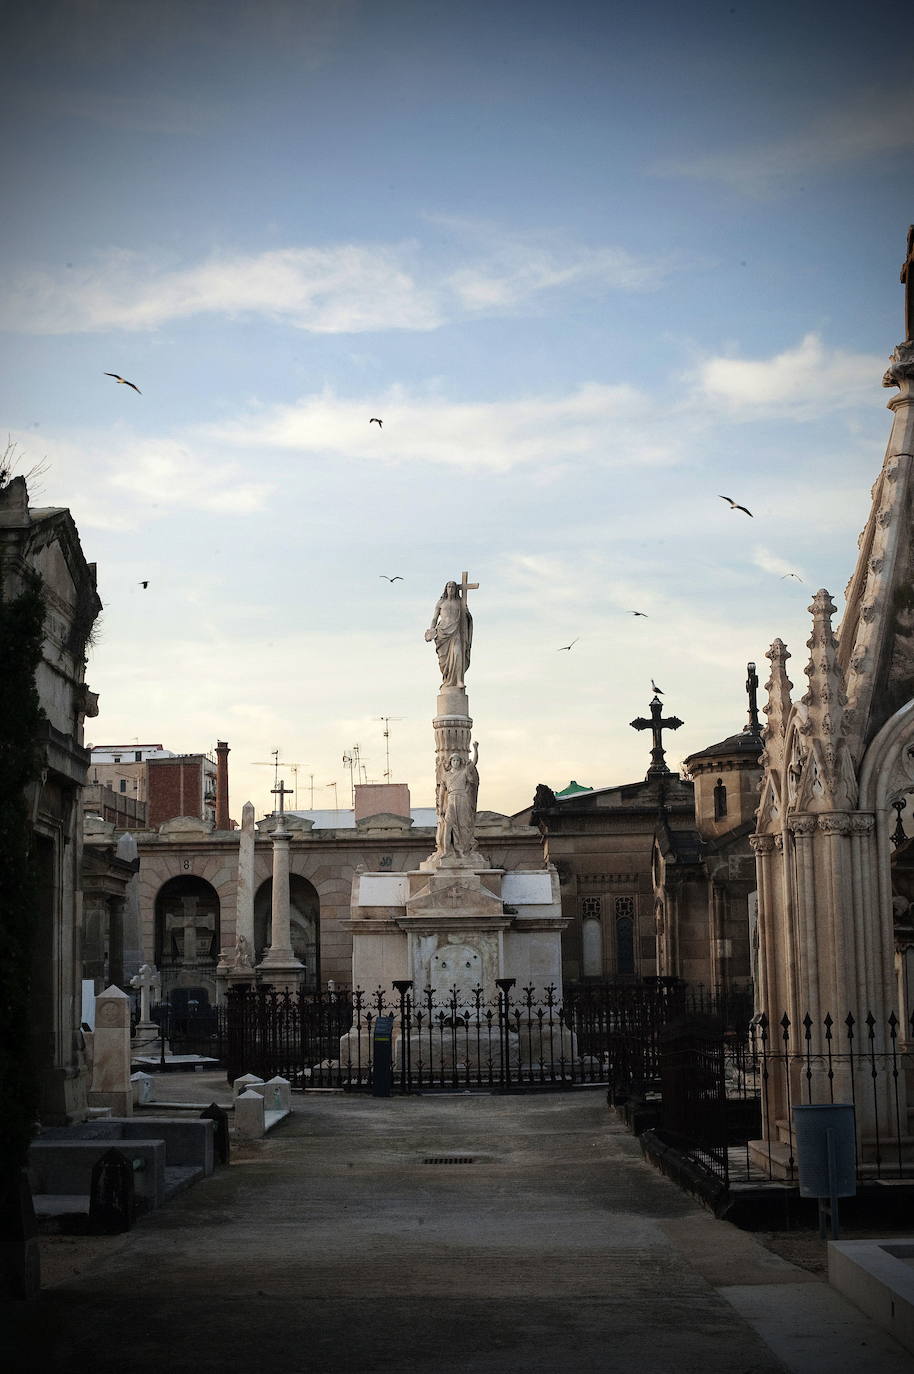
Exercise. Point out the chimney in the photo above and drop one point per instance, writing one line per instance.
(222, 800)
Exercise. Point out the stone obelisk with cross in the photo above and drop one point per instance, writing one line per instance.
(279, 967)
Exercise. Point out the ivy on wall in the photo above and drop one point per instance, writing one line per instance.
(21, 761)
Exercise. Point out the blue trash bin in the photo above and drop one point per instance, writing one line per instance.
(823, 1128)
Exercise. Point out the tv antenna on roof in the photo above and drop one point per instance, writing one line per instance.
(276, 765)
(387, 720)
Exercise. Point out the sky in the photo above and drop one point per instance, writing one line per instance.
(594, 265)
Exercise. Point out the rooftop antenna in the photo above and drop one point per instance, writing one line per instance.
(353, 761)
(336, 800)
(387, 720)
(275, 765)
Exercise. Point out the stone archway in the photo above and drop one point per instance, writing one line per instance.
(886, 788)
(305, 907)
(187, 935)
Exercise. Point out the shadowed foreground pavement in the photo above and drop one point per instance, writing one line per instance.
(332, 1245)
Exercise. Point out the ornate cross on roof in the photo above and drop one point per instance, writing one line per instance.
(657, 724)
(281, 791)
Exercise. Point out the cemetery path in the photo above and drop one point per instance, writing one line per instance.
(335, 1244)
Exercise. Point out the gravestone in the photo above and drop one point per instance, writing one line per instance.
(249, 1108)
(219, 1118)
(111, 1086)
(111, 1194)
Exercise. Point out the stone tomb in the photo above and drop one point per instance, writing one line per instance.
(453, 930)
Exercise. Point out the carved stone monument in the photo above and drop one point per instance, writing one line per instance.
(456, 924)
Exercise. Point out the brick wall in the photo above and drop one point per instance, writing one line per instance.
(175, 788)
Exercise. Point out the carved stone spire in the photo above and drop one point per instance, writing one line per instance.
(773, 801)
(828, 781)
(876, 638)
(779, 706)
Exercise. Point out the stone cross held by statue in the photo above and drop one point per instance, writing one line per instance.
(281, 791)
(657, 724)
(465, 587)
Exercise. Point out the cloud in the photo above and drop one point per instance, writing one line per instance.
(604, 424)
(798, 382)
(342, 288)
(772, 563)
(873, 124)
(513, 268)
(121, 481)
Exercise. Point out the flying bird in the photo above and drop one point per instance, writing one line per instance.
(643, 614)
(144, 585)
(398, 578)
(734, 506)
(795, 577)
(123, 381)
(375, 421)
(658, 691)
(562, 647)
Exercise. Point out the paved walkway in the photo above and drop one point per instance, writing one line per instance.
(335, 1245)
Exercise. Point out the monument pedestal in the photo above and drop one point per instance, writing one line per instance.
(452, 933)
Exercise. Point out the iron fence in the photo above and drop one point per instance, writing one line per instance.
(726, 1095)
(442, 1039)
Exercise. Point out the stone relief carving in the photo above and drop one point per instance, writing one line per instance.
(901, 366)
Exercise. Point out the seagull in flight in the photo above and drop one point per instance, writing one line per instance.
(734, 506)
(796, 577)
(562, 647)
(398, 578)
(643, 614)
(123, 381)
(144, 585)
(658, 691)
(375, 421)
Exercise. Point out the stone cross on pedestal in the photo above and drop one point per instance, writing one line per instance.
(281, 791)
(657, 724)
(147, 979)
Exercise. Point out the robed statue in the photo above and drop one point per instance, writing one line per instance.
(452, 631)
(460, 787)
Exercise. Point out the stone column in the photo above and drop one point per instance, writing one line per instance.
(279, 966)
(132, 925)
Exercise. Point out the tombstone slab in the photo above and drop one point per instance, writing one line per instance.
(111, 1085)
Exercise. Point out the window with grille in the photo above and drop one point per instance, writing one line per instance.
(591, 908)
(625, 934)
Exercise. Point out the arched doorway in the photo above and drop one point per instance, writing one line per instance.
(305, 913)
(187, 940)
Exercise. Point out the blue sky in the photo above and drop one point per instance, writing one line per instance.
(593, 265)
